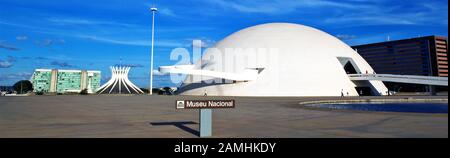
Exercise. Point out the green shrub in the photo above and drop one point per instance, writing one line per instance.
(23, 86)
(84, 92)
(39, 93)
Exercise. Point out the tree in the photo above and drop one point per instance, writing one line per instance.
(168, 90)
(144, 90)
(23, 86)
(84, 92)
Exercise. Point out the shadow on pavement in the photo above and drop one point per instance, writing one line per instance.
(180, 125)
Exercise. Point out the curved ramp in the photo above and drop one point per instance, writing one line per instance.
(425, 80)
(249, 74)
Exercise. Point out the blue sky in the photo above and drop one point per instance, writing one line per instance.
(94, 35)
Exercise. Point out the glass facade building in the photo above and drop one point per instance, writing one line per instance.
(424, 56)
(41, 80)
(68, 81)
(65, 81)
(95, 79)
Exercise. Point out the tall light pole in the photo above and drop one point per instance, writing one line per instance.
(153, 10)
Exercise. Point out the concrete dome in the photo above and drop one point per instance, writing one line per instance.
(292, 59)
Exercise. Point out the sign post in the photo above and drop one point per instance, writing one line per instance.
(205, 122)
(205, 111)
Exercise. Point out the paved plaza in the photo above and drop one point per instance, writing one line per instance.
(156, 117)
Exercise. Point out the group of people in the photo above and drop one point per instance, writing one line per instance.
(4, 93)
(348, 94)
(342, 93)
(360, 92)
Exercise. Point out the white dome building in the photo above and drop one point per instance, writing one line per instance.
(278, 59)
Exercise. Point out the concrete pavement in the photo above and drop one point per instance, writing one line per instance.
(156, 117)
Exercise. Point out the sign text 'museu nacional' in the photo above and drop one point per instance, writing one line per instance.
(205, 104)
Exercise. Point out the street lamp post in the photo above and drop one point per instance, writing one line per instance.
(153, 10)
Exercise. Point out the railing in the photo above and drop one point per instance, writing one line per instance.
(247, 75)
(428, 80)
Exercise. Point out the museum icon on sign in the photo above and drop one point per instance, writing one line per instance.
(180, 104)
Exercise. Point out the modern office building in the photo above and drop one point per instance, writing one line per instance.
(277, 59)
(65, 81)
(424, 56)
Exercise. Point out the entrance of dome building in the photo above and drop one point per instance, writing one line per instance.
(349, 65)
(365, 88)
(349, 69)
(364, 91)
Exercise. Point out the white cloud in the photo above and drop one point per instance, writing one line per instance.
(5, 64)
(356, 20)
(346, 37)
(167, 12)
(160, 43)
(421, 13)
(21, 38)
(8, 47)
(80, 21)
(16, 76)
(163, 10)
(373, 38)
(19, 25)
(49, 42)
(347, 12)
(278, 6)
(205, 42)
